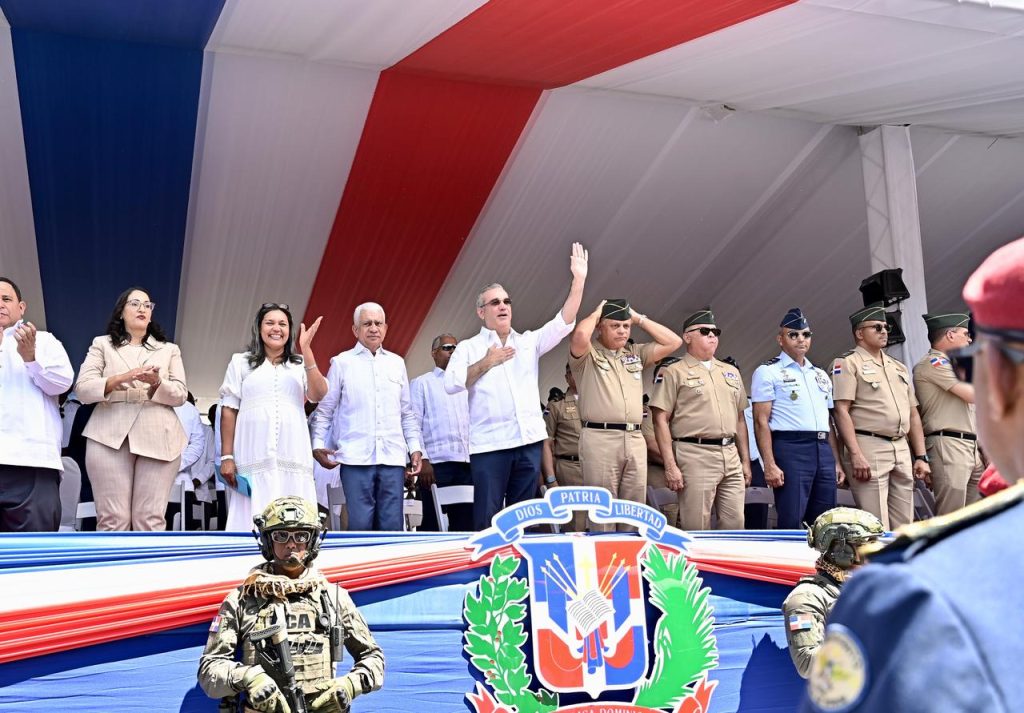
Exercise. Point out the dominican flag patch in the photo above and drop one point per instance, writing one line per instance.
(939, 361)
(801, 622)
(215, 624)
(837, 368)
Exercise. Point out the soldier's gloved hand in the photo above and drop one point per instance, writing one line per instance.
(262, 693)
(336, 692)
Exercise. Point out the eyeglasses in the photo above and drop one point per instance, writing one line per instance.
(705, 331)
(135, 304)
(879, 328)
(962, 360)
(806, 334)
(495, 302)
(274, 305)
(300, 537)
(447, 347)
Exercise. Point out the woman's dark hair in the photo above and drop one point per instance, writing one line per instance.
(256, 353)
(118, 333)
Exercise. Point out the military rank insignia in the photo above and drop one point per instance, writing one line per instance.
(587, 602)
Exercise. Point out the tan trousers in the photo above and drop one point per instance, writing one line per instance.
(569, 472)
(889, 494)
(131, 492)
(712, 478)
(956, 470)
(656, 479)
(616, 461)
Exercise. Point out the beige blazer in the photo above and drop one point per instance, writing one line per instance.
(150, 424)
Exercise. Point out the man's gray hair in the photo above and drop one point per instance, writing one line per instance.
(371, 306)
(437, 340)
(488, 288)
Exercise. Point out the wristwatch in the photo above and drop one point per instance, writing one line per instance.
(924, 458)
(550, 480)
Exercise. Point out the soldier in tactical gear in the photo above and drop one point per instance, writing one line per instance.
(837, 534)
(316, 617)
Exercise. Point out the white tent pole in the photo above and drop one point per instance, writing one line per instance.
(894, 226)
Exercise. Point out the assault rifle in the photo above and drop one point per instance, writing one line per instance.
(273, 654)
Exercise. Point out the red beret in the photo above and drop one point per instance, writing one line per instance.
(995, 292)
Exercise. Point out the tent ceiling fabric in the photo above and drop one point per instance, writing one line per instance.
(681, 201)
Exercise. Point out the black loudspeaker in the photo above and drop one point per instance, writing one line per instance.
(885, 286)
(895, 322)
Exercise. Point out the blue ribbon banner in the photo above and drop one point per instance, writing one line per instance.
(558, 506)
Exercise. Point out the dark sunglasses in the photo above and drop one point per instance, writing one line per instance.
(447, 347)
(806, 334)
(962, 360)
(705, 331)
(275, 305)
(495, 302)
(877, 327)
(301, 537)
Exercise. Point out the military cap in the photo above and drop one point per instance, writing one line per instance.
(617, 309)
(794, 319)
(946, 321)
(995, 291)
(873, 312)
(701, 316)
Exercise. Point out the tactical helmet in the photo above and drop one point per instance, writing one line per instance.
(289, 513)
(838, 533)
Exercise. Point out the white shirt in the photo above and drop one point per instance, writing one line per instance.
(444, 418)
(367, 411)
(30, 426)
(504, 403)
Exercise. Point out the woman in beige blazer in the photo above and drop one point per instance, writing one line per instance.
(136, 378)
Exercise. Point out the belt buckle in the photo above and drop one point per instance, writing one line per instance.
(728, 441)
(895, 438)
(135, 396)
(630, 427)
(822, 436)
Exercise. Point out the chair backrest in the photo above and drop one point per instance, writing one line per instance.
(335, 499)
(659, 497)
(924, 501)
(413, 514)
(758, 495)
(844, 498)
(70, 490)
(449, 495)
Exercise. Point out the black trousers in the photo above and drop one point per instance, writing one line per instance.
(29, 499)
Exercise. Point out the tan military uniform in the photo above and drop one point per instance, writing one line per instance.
(804, 613)
(611, 390)
(562, 419)
(881, 399)
(258, 602)
(955, 460)
(656, 471)
(705, 404)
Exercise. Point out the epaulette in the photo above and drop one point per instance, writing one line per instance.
(846, 354)
(918, 536)
(771, 361)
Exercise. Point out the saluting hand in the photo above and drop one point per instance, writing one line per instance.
(25, 336)
(306, 335)
(578, 262)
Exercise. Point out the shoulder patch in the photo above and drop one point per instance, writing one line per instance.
(547, 411)
(839, 673)
(771, 361)
(916, 537)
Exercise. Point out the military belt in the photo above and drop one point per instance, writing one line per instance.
(571, 459)
(954, 434)
(612, 426)
(878, 435)
(727, 441)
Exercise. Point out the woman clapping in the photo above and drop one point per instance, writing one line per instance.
(264, 438)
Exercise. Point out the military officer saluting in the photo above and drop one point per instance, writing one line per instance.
(837, 535)
(701, 431)
(560, 460)
(609, 375)
(947, 413)
(876, 414)
(792, 399)
(315, 618)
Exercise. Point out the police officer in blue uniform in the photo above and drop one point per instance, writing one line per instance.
(791, 399)
(932, 623)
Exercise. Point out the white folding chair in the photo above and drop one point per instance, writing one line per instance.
(761, 495)
(70, 489)
(335, 499)
(413, 514)
(449, 495)
(84, 510)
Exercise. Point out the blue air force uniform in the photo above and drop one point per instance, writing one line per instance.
(801, 397)
(928, 625)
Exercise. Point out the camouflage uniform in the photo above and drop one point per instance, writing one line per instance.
(311, 607)
(836, 534)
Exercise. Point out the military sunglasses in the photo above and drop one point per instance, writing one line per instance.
(300, 537)
(705, 331)
(962, 360)
(806, 334)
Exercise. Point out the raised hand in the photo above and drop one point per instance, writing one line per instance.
(25, 336)
(306, 335)
(578, 262)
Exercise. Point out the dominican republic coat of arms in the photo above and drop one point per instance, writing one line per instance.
(587, 598)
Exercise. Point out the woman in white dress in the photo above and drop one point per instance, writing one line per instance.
(264, 437)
